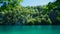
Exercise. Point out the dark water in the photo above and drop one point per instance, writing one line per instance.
(30, 29)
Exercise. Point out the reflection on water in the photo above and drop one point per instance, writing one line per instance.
(30, 29)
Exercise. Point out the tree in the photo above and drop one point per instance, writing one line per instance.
(54, 9)
(10, 11)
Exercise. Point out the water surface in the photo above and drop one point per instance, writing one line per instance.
(30, 29)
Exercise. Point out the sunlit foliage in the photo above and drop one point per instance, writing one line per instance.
(11, 12)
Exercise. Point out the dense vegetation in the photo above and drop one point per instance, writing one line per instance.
(11, 12)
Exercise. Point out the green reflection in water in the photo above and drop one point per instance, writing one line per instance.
(30, 29)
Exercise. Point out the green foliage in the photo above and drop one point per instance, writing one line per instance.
(12, 12)
(55, 8)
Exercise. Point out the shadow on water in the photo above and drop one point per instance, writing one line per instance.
(49, 29)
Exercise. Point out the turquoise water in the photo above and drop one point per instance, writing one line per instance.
(30, 29)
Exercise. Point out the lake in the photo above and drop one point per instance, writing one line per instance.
(45, 29)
